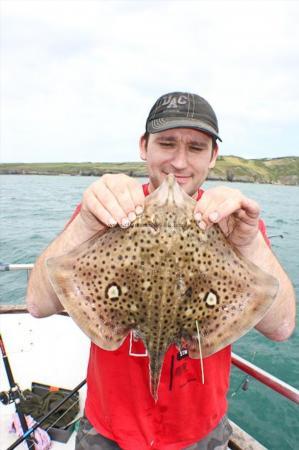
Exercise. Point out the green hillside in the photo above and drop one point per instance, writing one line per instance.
(276, 170)
(228, 168)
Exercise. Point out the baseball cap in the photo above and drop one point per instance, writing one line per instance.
(182, 110)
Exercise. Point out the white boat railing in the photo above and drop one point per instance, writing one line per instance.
(254, 371)
(266, 378)
(6, 267)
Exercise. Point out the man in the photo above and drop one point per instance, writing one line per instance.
(181, 138)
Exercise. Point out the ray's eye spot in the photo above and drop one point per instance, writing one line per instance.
(113, 291)
(211, 299)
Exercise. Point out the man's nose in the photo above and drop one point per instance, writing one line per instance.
(179, 160)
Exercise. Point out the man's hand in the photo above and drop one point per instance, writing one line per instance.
(114, 199)
(237, 215)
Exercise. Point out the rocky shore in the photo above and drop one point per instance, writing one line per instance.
(228, 168)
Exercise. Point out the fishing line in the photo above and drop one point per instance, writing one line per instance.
(245, 381)
(60, 417)
(200, 353)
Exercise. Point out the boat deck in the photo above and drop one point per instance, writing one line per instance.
(50, 351)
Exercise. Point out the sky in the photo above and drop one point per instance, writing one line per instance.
(78, 78)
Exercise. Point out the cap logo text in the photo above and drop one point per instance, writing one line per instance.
(174, 101)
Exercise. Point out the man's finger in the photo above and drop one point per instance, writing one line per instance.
(128, 192)
(246, 209)
(94, 207)
(108, 201)
(137, 196)
(202, 206)
(123, 197)
(252, 208)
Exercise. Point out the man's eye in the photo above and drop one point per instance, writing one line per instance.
(195, 148)
(167, 144)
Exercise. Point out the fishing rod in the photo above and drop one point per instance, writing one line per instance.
(14, 395)
(41, 421)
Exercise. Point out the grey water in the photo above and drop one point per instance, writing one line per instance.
(34, 209)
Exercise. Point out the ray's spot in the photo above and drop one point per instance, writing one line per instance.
(211, 299)
(113, 291)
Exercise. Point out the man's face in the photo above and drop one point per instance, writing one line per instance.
(184, 152)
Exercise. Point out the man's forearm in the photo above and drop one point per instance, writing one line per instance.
(279, 322)
(41, 299)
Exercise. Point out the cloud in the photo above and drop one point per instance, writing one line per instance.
(78, 77)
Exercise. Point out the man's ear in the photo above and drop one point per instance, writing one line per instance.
(214, 157)
(142, 148)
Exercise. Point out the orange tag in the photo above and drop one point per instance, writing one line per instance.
(53, 389)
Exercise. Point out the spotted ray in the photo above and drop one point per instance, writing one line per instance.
(165, 279)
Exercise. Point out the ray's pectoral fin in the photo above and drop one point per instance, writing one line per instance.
(93, 305)
(228, 317)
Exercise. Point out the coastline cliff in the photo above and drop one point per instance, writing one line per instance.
(283, 170)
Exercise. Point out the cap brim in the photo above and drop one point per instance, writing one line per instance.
(157, 125)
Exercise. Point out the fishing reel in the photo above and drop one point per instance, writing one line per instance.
(6, 397)
(13, 395)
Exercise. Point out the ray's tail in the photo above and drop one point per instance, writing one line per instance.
(155, 369)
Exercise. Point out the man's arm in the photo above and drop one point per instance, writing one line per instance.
(112, 199)
(238, 217)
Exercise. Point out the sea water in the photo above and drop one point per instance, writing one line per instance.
(34, 209)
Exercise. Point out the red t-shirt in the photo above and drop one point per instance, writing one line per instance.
(120, 407)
